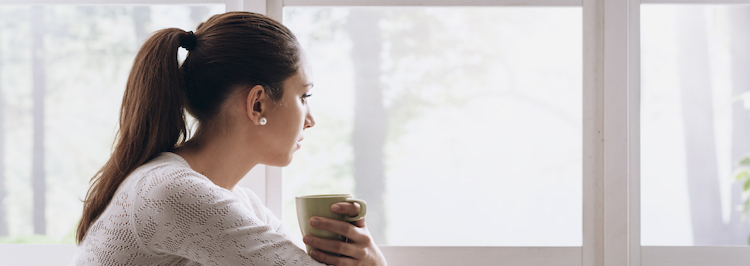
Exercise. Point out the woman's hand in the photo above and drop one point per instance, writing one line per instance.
(358, 250)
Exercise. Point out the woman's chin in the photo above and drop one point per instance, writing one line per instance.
(280, 162)
(285, 164)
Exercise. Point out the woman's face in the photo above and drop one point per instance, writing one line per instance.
(290, 116)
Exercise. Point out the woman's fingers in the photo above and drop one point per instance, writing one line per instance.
(334, 246)
(346, 229)
(331, 259)
(346, 208)
(359, 223)
(358, 250)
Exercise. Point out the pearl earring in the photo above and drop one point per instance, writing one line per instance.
(263, 121)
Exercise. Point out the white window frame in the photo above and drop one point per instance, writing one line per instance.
(611, 148)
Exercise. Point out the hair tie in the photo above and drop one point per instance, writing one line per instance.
(188, 42)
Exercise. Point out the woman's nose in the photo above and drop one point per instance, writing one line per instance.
(309, 120)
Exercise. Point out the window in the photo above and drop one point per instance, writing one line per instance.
(694, 123)
(619, 135)
(439, 114)
(62, 73)
(63, 70)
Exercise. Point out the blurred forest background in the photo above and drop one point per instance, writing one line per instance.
(62, 74)
(695, 128)
(459, 126)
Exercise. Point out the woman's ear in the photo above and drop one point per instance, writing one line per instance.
(256, 104)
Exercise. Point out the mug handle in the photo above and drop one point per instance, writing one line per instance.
(362, 210)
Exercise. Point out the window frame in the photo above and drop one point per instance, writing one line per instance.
(425, 255)
(611, 147)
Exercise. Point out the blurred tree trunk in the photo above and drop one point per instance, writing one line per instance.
(141, 19)
(740, 50)
(38, 79)
(3, 216)
(369, 134)
(700, 143)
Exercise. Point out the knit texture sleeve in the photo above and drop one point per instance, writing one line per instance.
(184, 214)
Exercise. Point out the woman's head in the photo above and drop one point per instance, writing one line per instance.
(248, 62)
(232, 54)
(237, 50)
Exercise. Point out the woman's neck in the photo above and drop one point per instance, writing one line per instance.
(224, 162)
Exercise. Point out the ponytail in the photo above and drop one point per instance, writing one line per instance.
(152, 119)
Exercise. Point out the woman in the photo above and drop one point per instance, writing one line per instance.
(162, 200)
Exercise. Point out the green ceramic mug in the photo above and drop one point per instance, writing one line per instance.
(320, 205)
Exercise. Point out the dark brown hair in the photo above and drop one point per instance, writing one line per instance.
(228, 51)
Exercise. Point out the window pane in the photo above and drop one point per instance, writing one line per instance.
(62, 74)
(695, 127)
(459, 126)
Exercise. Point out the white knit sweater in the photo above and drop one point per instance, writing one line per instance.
(165, 213)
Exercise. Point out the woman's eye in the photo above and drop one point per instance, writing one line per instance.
(305, 96)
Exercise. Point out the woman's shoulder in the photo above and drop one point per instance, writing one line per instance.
(169, 197)
(164, 163)
(169, 175)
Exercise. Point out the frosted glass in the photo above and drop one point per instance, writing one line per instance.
(459, 126)
(84, 55)
(695, 127)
